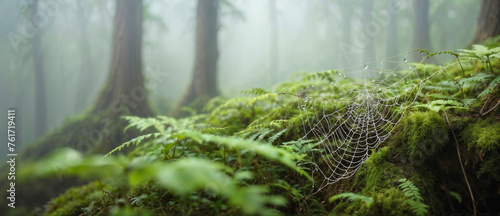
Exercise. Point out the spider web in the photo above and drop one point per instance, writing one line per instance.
(360, 110)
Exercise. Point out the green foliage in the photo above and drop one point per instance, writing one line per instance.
(246, 155)
(483, 138)
(323, 75)
(415, 201)
(479, 52)
(493, 84)
(456, 196)
(419, 135)
(85, 200)
(353, 197)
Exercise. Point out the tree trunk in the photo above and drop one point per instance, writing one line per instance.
(40, 94)
(274, 42)
(392, 36)
(203, 84)
(366, 18)
(86, 69)
(346, 45)
(421, 35)
(124, 92)
(488, 21)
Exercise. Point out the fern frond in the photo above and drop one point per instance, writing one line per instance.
(255, 91)
(456, 196)
(415, 201)
(493, 84)
(477, 78)
(323, 75)
(135, 141)
(352, 197)
(263, 97)
(276, 136)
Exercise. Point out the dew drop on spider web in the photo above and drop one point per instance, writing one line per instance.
(305, 100)
(405, 60)
(366, 66)
(303, 107)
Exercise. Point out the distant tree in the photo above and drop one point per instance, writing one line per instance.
(346, 45)
(421, 36)
(40, 92)
(488, 21)
(274, 41)
(366, 18)
(203, 84)
(124, 91)
(392, 47)
(86, 69)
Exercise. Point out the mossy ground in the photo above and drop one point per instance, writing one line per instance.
(422, 148)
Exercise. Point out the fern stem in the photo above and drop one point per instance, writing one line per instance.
(461, 165)
(486, 113)
(489, 63)
(482, 108)
(463, 72)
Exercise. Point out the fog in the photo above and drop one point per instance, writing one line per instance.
(311, 36)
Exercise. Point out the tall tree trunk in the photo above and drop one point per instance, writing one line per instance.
(421, 36)
(392, 36)
(274, 41)
(366, 18)
(86, 69)
(124, 91)
(488, 21)
(40, 94)
(204, 81)
(346, 45)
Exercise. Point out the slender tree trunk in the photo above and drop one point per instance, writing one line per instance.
(124, 91)
(40, 93)
(366, 18)
(488, 22)
(392, 36)
(274, 42)
(421, 36)
(86, 69)
(204, 81)
(346, 44)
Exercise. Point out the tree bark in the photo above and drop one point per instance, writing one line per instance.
(274, 42)
(86, 69)
(369, 48)
(40, 93)
(421, 35)
(392, 36)
(488, 21)
(203, 84)
(124, 92)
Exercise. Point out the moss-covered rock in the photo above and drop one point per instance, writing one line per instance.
(483, 138)
(419, 135)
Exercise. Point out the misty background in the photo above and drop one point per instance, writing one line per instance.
(310, 36)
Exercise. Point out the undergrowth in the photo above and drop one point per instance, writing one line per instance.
(247, 155)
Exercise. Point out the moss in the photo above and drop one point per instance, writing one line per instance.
(420, 135)
(78, 200)
(377, 173)
(483, 137)
(315, 208)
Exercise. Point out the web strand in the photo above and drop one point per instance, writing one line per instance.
(360, 111)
